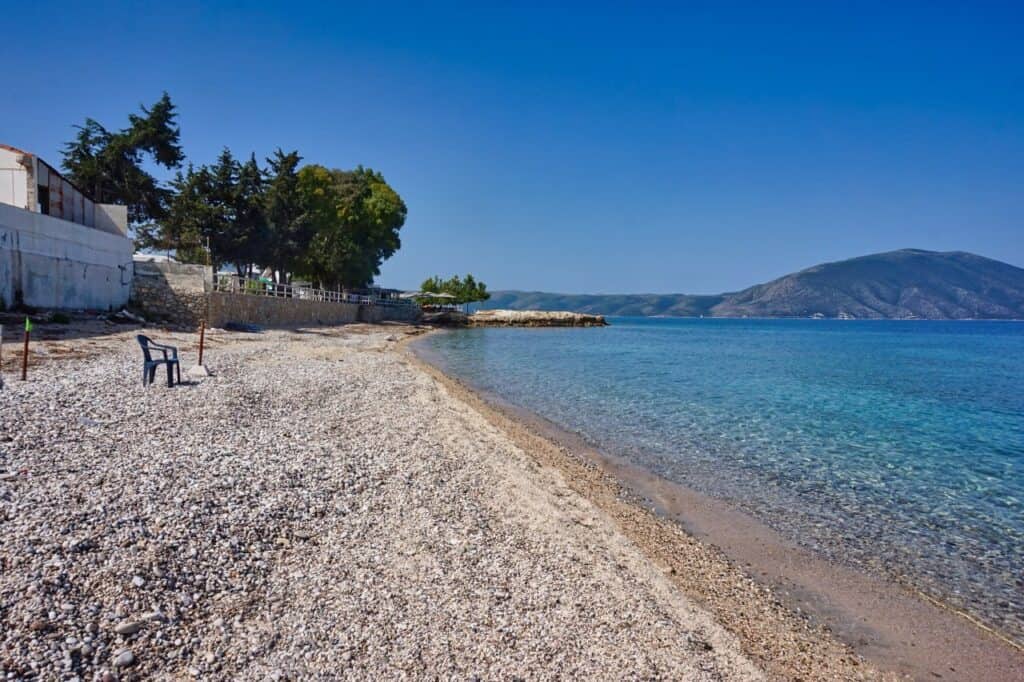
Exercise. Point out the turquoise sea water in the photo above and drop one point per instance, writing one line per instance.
(892, 445)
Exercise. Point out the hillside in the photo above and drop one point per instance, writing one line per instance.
(904, 284)
(674, 305)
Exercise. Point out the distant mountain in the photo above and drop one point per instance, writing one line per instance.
(902, 284)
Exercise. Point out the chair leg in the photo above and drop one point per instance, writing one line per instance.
(145, 375)
(152, 373)
(170, 375)
(177, 370)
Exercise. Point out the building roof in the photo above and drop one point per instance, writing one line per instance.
(15, 149)
(51, 167)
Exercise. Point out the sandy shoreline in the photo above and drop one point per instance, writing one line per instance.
(328, 506)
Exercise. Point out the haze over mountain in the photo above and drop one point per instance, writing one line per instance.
(904, 284)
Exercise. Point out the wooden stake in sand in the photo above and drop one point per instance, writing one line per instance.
(202, 337)
(24, 356)
(199, 371)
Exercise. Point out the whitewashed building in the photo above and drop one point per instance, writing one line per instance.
(58, 248)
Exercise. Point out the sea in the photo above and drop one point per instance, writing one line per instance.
(892, 446)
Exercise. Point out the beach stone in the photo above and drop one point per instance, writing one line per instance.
(129, 627)
(123, 658)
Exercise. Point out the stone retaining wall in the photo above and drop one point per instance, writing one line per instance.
(181, 295)
(174, 293)
(277, 312)
(380, 313)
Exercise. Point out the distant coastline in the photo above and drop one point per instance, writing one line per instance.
(906, 284)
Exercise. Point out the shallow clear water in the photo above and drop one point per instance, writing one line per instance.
(897, 445)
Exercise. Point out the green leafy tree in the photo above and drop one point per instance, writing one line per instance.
(372, 215)
(330, 247)
(356, 218)
(467, 290)
(474, 291)
(335, 226)
(108, 164)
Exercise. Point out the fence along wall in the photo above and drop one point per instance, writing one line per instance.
(184, 295)
(277, 312)
(46, 262)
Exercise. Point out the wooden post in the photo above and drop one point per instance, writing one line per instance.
(24, 357)
(202, 337)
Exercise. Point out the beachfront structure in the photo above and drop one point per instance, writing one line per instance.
(58, 248)
(28, 182)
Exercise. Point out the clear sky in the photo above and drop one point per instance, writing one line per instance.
(582, 148)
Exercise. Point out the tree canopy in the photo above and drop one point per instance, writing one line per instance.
(357, 217)
(217, 212)
(334, 227)
(467, 290)
(108, 164)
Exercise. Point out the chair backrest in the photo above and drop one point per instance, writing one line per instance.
(144, 341)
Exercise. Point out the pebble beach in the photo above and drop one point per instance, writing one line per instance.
(323, 506)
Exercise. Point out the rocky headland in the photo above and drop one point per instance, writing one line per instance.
(534, 318)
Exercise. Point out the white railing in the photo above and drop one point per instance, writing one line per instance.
(232, 284)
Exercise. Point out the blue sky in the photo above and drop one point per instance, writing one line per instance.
(587, 147)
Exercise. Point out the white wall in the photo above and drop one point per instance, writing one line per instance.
(58, 264)
(110, 218)
(13, 179)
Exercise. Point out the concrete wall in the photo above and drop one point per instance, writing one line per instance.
(111, 218)
(53, 263)
(175, 293)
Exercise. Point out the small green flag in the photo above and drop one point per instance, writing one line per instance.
(28, 325)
